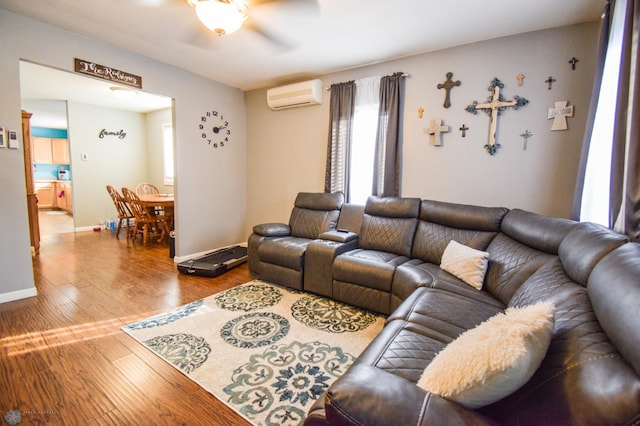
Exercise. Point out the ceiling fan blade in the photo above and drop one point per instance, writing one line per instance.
(196, 34)
(277, 40)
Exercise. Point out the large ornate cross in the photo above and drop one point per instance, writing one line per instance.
(494, 106)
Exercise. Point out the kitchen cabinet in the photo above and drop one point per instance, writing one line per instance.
(52, 194)
(46, 193)
(63, 196)
(50, 150)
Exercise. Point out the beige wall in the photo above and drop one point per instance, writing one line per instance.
(110, 160)
(287, 149)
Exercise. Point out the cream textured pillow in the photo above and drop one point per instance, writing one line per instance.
(494, 359)
(466, 263)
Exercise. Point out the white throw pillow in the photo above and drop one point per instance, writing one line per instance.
(466, 263)
(494, 359)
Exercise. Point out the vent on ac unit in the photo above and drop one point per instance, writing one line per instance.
(295, 95)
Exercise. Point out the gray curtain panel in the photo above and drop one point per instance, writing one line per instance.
(387, 160)
(624, 195)
(603, 43)
(624, 190)
(341, 110)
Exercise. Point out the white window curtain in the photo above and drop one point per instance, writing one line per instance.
(365, 124)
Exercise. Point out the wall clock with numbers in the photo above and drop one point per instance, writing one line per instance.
(214, 128)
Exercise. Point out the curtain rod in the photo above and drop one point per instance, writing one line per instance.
(404, 74)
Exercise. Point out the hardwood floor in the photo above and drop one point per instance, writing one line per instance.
(65, 360)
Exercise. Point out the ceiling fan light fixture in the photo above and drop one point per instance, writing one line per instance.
(222, 18)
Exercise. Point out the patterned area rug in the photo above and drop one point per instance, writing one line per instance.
(266, 351)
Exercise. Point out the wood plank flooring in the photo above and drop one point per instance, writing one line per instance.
(63, 357)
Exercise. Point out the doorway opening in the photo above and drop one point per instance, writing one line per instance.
(76, 112)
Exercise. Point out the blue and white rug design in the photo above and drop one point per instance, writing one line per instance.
(266, 351)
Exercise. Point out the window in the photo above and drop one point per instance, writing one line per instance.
(595, 198)
(167, 153)
(363, 143)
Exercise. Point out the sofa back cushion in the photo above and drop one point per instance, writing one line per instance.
(584, 247)
(389, 224)
(526, 242)
(315, 213)
(614, 288)
(440, 223)
(590, 372)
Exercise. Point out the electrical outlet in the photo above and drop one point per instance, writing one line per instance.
(3, 137)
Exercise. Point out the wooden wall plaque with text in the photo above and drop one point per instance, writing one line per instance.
(107, 73)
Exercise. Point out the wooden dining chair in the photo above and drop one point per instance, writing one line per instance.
(149, 188)
(144, 222)
(146, 188)
(122, 207)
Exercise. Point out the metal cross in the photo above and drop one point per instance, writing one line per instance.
(434, 130)
(526, 135)
(495, 105)
(464, 129)
(573, 62)
(447, 86)
(550, 81)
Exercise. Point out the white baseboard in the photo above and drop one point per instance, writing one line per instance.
(17, 295)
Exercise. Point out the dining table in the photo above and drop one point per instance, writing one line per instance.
(164, 201)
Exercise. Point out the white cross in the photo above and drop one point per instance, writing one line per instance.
(496, 106)
(559, 114)
(434, 130)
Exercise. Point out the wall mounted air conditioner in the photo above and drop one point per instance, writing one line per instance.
(295, 95)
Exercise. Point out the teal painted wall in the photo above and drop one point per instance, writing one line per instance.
(45, 132)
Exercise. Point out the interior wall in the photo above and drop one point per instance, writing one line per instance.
(287, 148)
(109, 160)
(210, 186)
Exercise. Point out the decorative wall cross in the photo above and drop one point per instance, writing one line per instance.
(526, 135)
(559, 113)
(573, 62)
(520, 77)
(494, 107)
(549, 82)
(436, 127)
(447, 86)
(464, 129)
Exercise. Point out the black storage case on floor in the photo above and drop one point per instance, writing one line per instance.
(214, 263)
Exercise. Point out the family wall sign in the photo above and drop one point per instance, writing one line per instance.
(120, 134)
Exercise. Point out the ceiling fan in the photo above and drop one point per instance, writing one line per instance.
(227, 16)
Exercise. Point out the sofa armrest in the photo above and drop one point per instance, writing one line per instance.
(339, 235)
(318, 264)
(272, 230)
(371, 396)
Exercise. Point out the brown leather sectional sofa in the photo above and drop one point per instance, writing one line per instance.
(386, 257)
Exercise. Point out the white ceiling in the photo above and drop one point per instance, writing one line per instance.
(322, 36)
